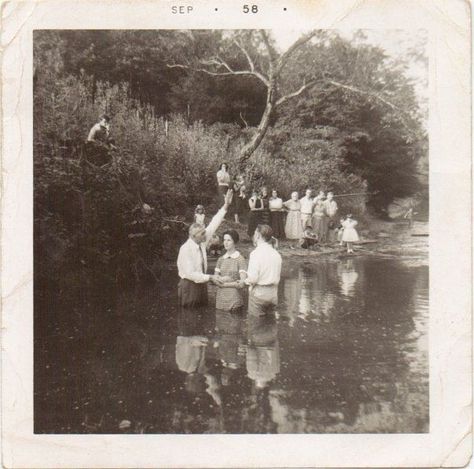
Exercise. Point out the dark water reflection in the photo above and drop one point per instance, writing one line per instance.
(346, 353)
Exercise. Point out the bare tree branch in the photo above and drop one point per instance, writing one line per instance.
(249, 59)
(243, 120)
(270, 51)
(367, 93)
(303, 88)
(220, 63)
(302, 40)
(400, 111)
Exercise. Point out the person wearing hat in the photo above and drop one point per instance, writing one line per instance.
(192, 260)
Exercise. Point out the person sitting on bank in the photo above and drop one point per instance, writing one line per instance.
(192, 260)
(263, 273)
(309, 238)
(99, 143)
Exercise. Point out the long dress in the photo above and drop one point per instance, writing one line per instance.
(254, 216)
(350, 234)
(230, 298)
(293, 228)
(318, 221)
(223, 182)
(265, 213)
(276, 217)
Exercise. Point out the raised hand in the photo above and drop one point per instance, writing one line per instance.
(228, 198)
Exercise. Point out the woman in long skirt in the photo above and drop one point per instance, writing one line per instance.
(318, 221)
(265, 214)
(276, 215)
(293, 228)
(223, 180)
(255, 205)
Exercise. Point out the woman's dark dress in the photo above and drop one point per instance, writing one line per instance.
(265, 213)
(254, 218)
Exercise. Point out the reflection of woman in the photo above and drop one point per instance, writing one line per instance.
(276, 215)
(232, 270)
(223, 180)
(255, 205)
(229, 335)
(293, 220)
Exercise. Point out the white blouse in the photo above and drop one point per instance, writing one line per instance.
(276, 203)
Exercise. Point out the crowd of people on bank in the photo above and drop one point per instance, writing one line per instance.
(308, 221)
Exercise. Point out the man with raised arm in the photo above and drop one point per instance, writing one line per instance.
(192, 260)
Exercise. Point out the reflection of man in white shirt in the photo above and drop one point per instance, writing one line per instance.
(307, 204)
(263, 273)
(192, 260)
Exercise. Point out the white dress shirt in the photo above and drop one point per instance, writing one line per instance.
(307, 205)
(190, 261)
(264, 266)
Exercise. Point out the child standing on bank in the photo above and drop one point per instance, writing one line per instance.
(199, 215)
(349, 234)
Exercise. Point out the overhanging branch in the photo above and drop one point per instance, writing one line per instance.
(219, 63)
(296, 93)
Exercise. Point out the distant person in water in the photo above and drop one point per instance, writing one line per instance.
(192, 260)
(263, 273)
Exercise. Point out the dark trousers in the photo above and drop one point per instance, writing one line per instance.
(192, 295)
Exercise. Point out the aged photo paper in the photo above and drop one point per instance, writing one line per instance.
(236, 234)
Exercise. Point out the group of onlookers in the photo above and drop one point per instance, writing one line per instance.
(308, 220)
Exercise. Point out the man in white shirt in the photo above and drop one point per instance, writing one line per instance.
(307, 205)
(192, 260)
(263, 273)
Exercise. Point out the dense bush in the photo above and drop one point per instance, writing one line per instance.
(91, 218)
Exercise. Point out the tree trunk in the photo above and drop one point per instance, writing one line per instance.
(255, 141)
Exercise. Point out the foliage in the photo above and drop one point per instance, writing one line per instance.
(173, 129)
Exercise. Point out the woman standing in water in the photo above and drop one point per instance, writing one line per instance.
(231, 269)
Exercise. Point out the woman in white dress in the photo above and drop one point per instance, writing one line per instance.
(293, 228)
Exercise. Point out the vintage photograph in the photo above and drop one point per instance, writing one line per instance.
(231, 231)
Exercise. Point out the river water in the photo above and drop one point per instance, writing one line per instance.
(347, 352)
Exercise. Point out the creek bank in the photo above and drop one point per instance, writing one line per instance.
(378, 238)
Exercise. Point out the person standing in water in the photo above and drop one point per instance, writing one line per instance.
(263, 273)
(192, 260)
